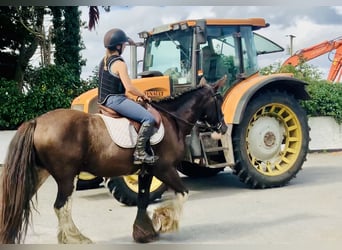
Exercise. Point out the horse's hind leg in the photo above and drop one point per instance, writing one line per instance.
(68, 233)
(166, 217)
(43, 174)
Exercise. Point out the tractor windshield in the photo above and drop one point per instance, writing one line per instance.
(170, 53)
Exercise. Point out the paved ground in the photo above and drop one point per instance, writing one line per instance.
(220, 210)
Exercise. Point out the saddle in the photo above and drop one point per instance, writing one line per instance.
(112, 113)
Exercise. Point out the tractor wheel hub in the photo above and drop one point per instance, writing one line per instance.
(265, 137)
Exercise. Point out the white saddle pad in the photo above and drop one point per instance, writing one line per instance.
(123, 132)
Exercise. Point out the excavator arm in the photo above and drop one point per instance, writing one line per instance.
(336, 66)
(318, 50)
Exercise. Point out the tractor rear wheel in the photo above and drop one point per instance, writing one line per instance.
(125, 189)
(271, 142)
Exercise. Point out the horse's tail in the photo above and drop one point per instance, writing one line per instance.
(19, 184)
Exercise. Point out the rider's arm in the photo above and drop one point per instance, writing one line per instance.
(120, 68)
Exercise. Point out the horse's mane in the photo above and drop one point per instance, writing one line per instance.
(178, 95)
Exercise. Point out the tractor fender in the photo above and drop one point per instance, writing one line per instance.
(238, 97)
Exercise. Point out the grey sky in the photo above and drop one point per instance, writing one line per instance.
(310, 25)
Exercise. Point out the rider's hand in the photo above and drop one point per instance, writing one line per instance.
(139, 99)
(146, 98)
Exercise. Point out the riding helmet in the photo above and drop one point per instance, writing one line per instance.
(115, 37)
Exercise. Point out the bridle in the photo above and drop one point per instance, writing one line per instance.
(220, 118)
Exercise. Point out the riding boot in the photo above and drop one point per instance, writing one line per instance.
(140, 154)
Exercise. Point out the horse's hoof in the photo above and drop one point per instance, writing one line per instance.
(64, 238)
(86, 240)
(140, 235)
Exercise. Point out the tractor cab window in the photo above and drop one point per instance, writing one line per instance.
(170, 54)
(233, 51)
(219, 56)
(265, 46)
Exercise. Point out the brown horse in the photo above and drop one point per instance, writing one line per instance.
(63, 142)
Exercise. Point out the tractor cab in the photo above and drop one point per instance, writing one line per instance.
(188, 50)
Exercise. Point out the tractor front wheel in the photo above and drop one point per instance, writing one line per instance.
(271, 142)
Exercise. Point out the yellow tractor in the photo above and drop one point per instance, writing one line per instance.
(267, 140)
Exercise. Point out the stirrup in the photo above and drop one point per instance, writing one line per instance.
(147, 159)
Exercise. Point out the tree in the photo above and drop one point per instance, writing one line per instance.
(94, 15)
(67, 38)
(22, 32)
(20, 29)
(48, 86)
(303, 71)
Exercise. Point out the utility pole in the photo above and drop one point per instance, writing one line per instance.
(291, 43)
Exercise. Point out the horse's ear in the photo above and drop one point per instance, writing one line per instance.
(203, 81)
(219, 83)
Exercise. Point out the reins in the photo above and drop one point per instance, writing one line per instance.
(171, 114)
(185, 121)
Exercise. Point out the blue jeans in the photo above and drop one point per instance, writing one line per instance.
(128, 108)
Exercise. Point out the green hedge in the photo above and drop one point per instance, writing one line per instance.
(326, 100)
(12, 111)
(47, 88)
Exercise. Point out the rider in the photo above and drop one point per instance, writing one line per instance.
(114, 83)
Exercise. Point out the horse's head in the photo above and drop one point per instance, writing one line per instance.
(212, 115)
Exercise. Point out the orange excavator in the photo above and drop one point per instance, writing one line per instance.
(332, 47)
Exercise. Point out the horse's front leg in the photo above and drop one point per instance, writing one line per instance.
(143, 230)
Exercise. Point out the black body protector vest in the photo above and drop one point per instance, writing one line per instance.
(108, 83)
